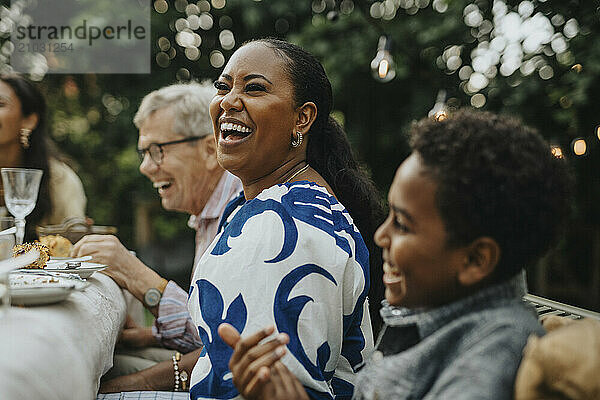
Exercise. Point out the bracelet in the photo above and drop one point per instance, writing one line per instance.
(180, 377)
(184, 380)
(176, 357)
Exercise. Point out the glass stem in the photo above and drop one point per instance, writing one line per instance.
(20, 224)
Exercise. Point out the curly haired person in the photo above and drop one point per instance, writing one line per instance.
(480, 198)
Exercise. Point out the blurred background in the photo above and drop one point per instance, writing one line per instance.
(390, 62)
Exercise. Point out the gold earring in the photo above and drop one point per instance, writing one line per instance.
(297, 141)
(25, 137)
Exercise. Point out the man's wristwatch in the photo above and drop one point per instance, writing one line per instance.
(153, 295)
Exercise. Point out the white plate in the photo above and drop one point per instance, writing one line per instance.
(65, 259)
(85, 271)
(29, 289)
(58, 264)
(38, 296)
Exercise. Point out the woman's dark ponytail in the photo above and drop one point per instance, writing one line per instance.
(330, 154)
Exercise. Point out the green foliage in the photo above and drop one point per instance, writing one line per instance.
(92, 114)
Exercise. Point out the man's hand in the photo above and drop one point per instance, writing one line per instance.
(107, 249)
(123, 267)
(257, 371)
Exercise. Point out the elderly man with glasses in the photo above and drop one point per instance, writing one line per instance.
(177, 151)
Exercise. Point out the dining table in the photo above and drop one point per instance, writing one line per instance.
(60, 351)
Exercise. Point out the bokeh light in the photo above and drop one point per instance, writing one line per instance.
(183, 74)
(180, 5)
(556, 151)
(318, 6)
(194, 22)
(478, 100)
(181, 24)
(217, 60)
(225, 22)
(579, 147)
(164, 44)
(161, 6)
(218, 4)
(162, 59)
(206, 21)
(192, 53)
(185, 39)
(511, 39)
(546, 72)
(203, 6)
(440, 6)
(226, 39)
(346, 7)
(375, 10)
(192, 9)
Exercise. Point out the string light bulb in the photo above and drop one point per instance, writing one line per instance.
(557, 151)
(383, 66)
(439, 112)
(579, 147)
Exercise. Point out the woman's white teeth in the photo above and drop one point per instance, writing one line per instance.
(234, 128)
(161, 185)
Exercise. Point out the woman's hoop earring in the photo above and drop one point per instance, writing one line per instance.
(297, 141)
(24, 132)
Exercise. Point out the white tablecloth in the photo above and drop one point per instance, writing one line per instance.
(60, 351)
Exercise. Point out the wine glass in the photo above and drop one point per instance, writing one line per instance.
(21, 188)
(7, 241)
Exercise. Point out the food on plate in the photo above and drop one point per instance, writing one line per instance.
(25, 247)
(59, 246)
(30, 280)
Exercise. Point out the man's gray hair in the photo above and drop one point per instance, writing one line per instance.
(187, 101)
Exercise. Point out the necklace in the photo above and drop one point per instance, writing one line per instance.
(301, 170)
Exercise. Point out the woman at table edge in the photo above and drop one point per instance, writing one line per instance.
(24, 143)
(273, 130)
(352, 178)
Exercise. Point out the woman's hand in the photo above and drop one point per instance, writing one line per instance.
(158, 377)
(257, 371)
(250, 362)
(134, 335)
(126, 383)
(283, 385)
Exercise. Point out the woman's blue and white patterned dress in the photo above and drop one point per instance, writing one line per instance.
(291, 257)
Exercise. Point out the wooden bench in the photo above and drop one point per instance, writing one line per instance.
(545, 307)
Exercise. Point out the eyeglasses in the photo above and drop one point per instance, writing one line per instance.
(156, 152)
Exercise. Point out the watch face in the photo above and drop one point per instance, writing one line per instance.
(152, 297)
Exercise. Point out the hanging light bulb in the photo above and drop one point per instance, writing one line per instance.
(382, 66)
(557, 151)
(579, 146)
(439, 112)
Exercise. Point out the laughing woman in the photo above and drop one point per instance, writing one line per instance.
(290, 252)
